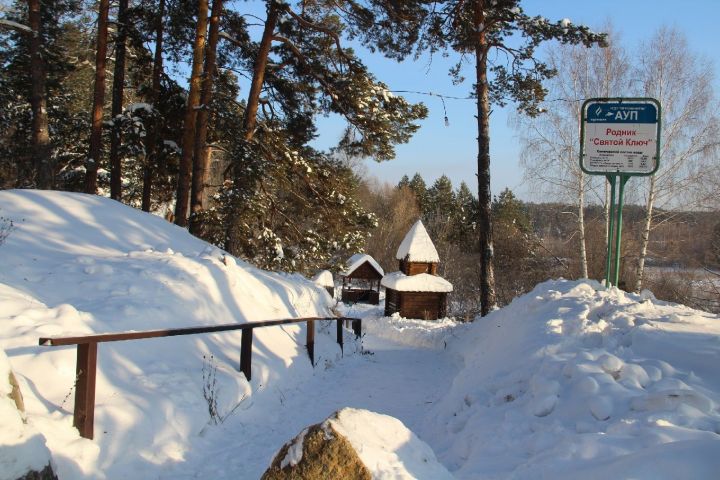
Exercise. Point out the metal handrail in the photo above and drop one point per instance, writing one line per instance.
(86, 366)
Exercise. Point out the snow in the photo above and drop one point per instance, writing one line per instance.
(568, 381)
(324, 278)
(358, 259)
(22, 448)
(81, 264)
(15, 25)
(294, 453)
(134, 107)
(386, 446)
(422, 282)
(571, 379)
(417, 246)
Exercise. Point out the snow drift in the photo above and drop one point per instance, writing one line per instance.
(574, 381)
(569, 381)
(80, 264)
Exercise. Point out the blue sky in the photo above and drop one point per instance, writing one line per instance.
(452, 150)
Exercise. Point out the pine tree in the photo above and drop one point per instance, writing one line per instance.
(509, 209)
(182, 199)
(475, 29)
(441, 199)
(419, 188)
(38, 100)
(201, 158)
(404, 182)
(516, 248)
(151, 160)
(118, 97)
(464, 218)
(93, 159)
(32, 68)
(302, 67)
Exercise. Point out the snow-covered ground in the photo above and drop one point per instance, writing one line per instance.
(569, 381)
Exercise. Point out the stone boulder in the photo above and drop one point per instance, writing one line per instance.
(356, 444)
(317, 452)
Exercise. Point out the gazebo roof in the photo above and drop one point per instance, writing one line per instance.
(324, 278)
(422, 282)
(358, 259)
(417, 246)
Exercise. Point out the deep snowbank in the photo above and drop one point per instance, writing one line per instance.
(573, 381)
(79, 264)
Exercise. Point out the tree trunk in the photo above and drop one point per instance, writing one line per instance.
(250, 121)
(93, 159)
(485, 226)
(645, 238)
(188, 140)
(581, 224)
(201, 163)
(117, 101)
(42, 161)
(152, 138)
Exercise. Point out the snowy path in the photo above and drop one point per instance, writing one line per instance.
(394, 379)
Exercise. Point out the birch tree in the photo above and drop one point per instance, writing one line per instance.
(683, 84)
(551, 141)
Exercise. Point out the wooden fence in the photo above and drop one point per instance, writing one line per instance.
(87, 351)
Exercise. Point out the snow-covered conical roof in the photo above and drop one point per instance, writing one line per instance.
(417, 246)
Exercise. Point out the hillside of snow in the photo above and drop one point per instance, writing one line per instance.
(568, 381)
(78, 264)
(574, 381)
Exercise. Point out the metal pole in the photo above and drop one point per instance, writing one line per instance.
(623, 180)
(611, 227)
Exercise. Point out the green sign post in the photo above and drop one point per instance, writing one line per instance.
(619, 138)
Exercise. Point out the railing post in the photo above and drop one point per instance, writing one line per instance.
(246, 352)
(357, 327)
(339, 324)
(310, 342)
(85, 370)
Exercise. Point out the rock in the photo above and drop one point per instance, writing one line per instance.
(317, 452)
(357, 444)
(45, 474)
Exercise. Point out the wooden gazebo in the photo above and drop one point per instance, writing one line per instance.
(361, 280)
(416, 291)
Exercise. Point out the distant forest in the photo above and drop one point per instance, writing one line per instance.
(539, 241)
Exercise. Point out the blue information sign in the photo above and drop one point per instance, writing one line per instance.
(620, 136)
(622, 113)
